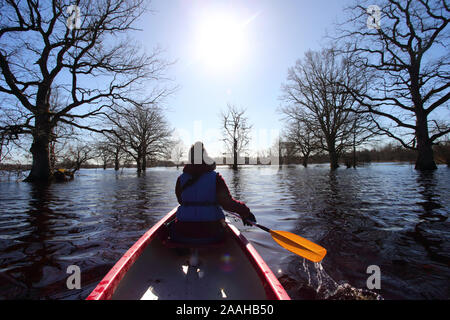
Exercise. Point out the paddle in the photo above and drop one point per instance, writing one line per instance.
(294, 243)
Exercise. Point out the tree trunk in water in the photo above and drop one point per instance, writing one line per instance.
(116, 163)
(305, 162)
(280, 158)
(425, 156)
(334, 159)
(305, 159)
(41, 169)
(139, 164)
(235, 155)
(144, 163)
(144, 157)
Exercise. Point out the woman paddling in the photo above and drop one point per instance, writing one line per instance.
(202, 193)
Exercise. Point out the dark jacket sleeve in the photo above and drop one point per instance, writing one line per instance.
(178, 191)
(225, 199)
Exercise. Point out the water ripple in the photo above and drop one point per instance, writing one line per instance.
(383, 214)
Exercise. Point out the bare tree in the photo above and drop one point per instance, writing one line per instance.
(102, 151)
(143, 131)
(178, 152)
(10, 132)
(406, 58)
(302, 139)
(42, 47)
(74, 157)
(4, 146)
(6, 141)
(111, 148)
(317, 98)
(287, 151)
(236, 131)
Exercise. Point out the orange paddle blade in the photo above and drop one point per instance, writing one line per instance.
(298, 245)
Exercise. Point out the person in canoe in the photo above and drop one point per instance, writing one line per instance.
(202, 193)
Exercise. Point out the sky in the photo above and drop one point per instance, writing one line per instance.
(234, 52)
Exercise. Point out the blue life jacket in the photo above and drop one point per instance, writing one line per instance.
(199, 201)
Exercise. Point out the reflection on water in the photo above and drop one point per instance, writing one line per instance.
(431, 230)
(385, 214)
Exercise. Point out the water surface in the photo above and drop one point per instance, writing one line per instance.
(387, 215)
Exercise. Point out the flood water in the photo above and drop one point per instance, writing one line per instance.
(387, 215)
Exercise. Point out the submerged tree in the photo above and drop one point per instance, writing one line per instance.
(77, 155)
(103, 153)
(111, 149)
(302, 139)
(236, 131)
(317, 98)
(80, 48)
(404, 52)
(143, 131)
(178, 152)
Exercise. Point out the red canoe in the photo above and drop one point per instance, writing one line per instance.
(152, 270)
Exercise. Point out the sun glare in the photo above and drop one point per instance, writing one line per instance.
(220, 41)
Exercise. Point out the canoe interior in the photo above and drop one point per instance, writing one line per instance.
(222, 272)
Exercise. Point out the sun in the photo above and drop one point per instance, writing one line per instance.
(220, 41)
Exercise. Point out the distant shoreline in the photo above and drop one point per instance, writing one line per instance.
(26, 167)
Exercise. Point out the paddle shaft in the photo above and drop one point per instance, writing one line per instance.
(251, 222)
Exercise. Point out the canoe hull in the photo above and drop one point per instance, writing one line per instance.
(150, 270)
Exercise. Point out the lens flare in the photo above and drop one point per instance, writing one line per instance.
(226, 263)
